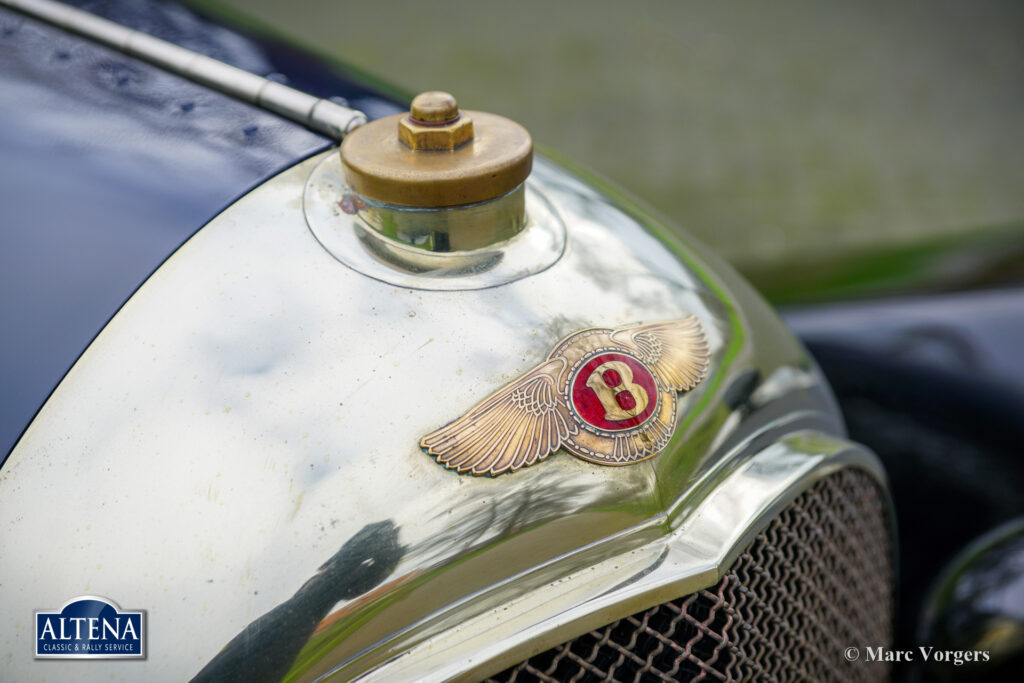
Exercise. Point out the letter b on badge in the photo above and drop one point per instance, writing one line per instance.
(620, 397)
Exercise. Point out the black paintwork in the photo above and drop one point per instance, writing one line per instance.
(258, 54)
(107, 165)
(978, 607)
(935, 387)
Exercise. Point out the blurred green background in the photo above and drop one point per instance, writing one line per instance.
(791, 132)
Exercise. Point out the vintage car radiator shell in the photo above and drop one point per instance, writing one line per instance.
(257, 406)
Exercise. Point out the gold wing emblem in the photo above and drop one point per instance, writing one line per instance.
(606, 396)
(522, 423)
(676, 351)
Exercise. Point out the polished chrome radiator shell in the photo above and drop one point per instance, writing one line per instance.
(817, 580)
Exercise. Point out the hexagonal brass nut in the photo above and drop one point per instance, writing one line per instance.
(446, 137)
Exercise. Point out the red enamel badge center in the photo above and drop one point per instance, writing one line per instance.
(614, 392)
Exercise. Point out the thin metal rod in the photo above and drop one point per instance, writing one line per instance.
(321, 115)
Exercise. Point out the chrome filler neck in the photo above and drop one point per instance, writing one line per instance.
(321, 115)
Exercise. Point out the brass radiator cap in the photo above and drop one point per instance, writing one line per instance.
(436, 156)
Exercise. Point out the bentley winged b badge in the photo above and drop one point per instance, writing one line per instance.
(607, 396)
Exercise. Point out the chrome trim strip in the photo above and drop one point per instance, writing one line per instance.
(323, 116)
(696, 554)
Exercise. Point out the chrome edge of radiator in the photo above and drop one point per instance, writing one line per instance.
(710, 529)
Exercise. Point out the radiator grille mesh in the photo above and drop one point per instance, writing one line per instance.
(816, 581)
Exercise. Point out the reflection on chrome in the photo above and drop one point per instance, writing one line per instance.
(255, 411)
